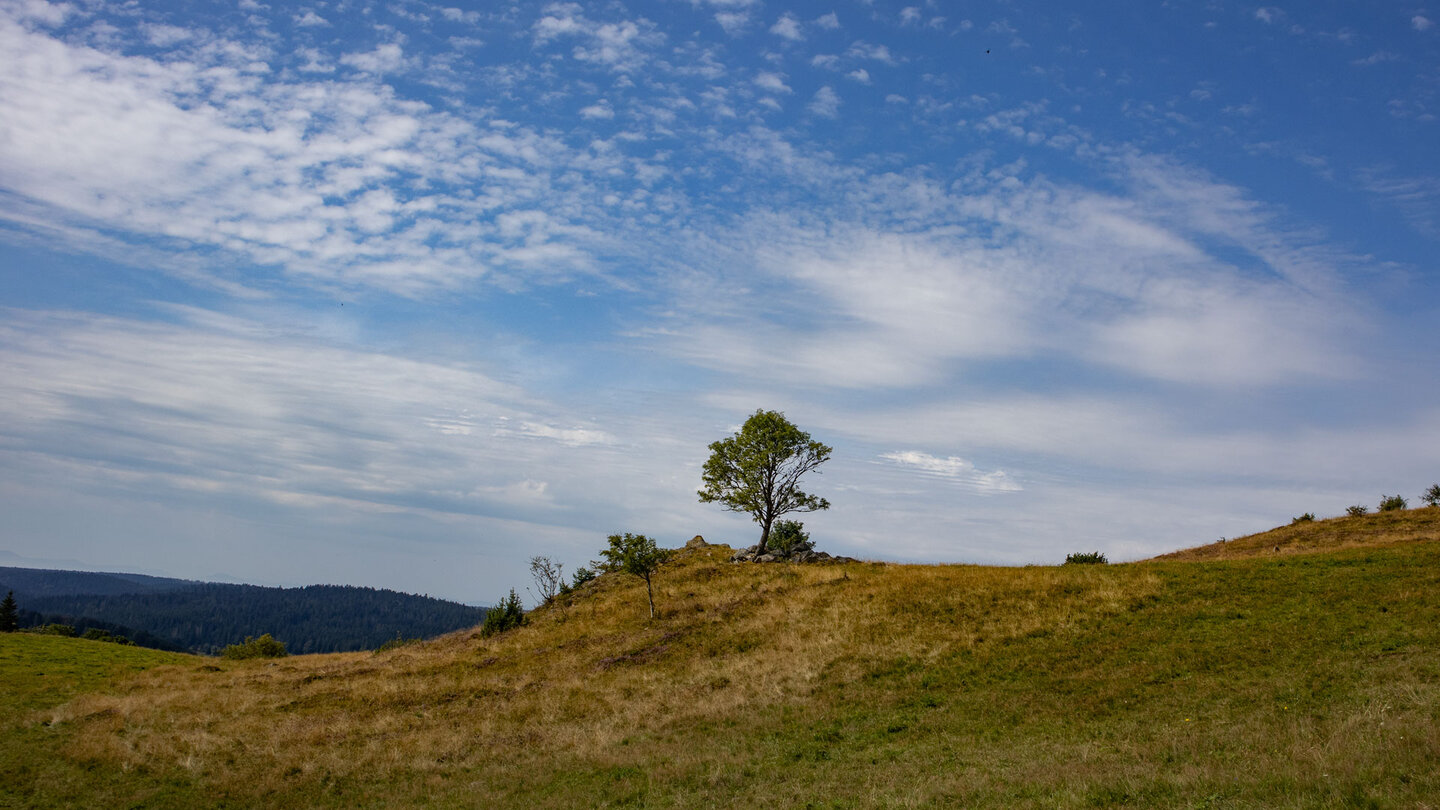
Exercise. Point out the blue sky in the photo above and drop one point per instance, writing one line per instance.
(401, 294)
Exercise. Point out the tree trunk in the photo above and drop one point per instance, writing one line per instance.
(765, 535)
(651, 596)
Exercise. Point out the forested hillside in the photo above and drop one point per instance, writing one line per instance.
(205, 617)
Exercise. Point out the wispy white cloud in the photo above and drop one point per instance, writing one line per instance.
(1269, 14)
(560, 19)
(386, 58)
(865, 50)
(734, 22)
(1417, 197)
(600, 109)
(460, 15)
(41, 12)
(282, 415)
(1124, 283)
(623, 46)
(788, 27)
(1421, 23)
(825, 103)
(311, 20)
(300, 176)
(955, 469)
(1375, 58)
(773, 82)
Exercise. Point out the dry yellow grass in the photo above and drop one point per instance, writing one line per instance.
(1376, 530)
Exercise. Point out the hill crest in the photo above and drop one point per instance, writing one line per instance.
(1375, 530)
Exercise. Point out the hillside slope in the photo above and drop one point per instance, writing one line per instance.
(1377, 530)
(1308, 680)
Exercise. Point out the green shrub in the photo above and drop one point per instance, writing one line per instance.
(1392, 503)
(504, 616)
(581, 576)
(1357, 510)
(789, 537)
(1432, 495)
(66, 630)
(96, 634)
(263, 647)
(1308, 517)
(1086, 558)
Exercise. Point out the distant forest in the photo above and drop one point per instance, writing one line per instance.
(205, 617)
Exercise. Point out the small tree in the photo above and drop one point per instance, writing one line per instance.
(758, 471)
(1432, 495)
(1357, 510)
(1086, 558)
(504, 616)
(1392, 503)
(634, 554)
(548, 576)
(9, 614)
(1308, 517)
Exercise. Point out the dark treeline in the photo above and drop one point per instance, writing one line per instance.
(30, 618)
(207, 617)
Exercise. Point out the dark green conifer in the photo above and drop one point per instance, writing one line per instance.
(9, 614)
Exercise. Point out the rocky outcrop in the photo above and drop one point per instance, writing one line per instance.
(697, 542)
(806, 555)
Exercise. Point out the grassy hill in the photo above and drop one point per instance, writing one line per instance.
(1236, 677)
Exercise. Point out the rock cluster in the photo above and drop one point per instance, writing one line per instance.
(803, 555)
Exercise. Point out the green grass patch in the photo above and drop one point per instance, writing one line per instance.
(40, 671)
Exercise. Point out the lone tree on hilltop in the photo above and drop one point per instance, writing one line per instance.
(633, 554)
(9, 614)
(758, 471)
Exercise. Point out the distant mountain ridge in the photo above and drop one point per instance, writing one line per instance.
(41, 582)
(205, 617)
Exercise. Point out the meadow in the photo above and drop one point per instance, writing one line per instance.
(1295, 668)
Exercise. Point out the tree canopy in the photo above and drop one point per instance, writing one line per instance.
(633, 554)
(758, 470)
